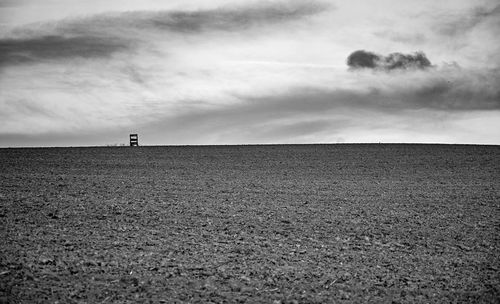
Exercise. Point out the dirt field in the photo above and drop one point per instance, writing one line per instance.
(256, 224)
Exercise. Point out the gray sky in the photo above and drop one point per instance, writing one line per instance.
(239, 72)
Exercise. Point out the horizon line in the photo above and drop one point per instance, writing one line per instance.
(254, 144)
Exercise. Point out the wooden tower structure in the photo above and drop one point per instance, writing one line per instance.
(134, 140)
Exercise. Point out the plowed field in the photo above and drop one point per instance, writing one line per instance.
(255, 224)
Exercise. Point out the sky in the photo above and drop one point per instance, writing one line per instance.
(196, 72)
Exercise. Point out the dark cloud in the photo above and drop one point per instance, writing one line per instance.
(404, 61)
(450, 91)
(233, 18)
(454, 96)
(17, 51)
(364, 59)
(229, 19)
(447, 92)
(103, 35)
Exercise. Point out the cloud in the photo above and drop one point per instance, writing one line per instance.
(460, 24)
(364, 59)
(27, 50)
(455, 94)
(103, 35)
(207, 107)
(411, 38)
(439, 93)
(449, 89)
(263, 71)
(468, 35)
(225, 19)
(229, 19)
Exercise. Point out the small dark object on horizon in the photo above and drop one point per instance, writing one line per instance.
(134, 140)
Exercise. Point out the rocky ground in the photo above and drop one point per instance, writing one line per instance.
(254, 224)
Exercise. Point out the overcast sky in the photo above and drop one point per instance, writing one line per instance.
(90, 72)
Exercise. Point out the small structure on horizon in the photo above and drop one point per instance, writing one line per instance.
(134, 140)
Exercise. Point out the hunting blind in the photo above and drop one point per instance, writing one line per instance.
(134, 140)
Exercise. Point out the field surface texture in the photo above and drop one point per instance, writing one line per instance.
(251, 224)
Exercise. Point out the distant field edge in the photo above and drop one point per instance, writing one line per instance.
(249, 145)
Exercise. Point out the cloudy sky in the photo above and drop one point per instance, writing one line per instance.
(90, 72)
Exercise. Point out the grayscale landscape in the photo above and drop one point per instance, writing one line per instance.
(250, 151)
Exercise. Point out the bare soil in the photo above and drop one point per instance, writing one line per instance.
(251, 224)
